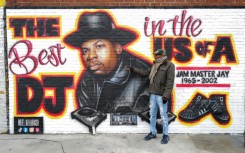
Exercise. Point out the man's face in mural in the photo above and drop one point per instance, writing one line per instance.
(101, 56)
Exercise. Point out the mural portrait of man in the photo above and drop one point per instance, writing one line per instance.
(106, 85)
(71, 68)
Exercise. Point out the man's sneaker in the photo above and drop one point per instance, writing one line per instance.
(150, 136)
(165, 139)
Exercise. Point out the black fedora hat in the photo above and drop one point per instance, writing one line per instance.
(98, 25)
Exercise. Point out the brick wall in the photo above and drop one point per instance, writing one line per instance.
(3, 113)
(182, 97)
(120, 3)
(209, 59)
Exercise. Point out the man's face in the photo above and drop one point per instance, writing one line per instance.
(101, 56)
(158, 56)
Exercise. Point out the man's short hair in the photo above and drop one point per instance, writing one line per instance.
(160, 52)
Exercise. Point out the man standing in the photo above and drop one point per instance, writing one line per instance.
(161, 77)
(106, 86)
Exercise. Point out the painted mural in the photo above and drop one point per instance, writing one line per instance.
(69, 68)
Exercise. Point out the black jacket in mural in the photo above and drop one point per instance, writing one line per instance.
(122, 92)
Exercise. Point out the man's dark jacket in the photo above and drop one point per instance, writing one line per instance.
(122, 92)
(163, 81)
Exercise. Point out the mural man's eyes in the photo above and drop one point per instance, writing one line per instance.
(100, 46)
(85, 51)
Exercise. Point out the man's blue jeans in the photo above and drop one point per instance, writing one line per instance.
(155, 104)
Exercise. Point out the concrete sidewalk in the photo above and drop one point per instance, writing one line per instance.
(121, 143)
